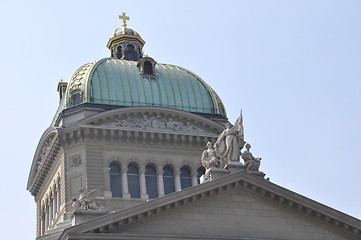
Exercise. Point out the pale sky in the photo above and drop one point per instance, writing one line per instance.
(292, 66)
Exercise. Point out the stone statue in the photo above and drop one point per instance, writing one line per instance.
(86, 200)
(231, 140)
(76, 204)
(251, 163)
(210, 157)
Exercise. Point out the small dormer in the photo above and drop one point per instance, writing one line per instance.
(146, 66)
(62, 88)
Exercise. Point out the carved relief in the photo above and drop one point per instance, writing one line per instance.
(154, 122)
(45, 149)
(75, 161)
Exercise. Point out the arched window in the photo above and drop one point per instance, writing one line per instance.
(55, 204)
(148, 68)
(42, 225)
(58, 195)
(133, 181)
(119, 52)
(50, 206)
(168, 180)
(130, 53)
(185, 177)
(115, 180)
(151, 181)
(200, 171)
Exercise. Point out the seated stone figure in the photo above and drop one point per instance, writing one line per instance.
(210, 157)
(86, 200)
(251, 163)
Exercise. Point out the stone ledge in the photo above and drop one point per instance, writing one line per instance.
(80, 216)
(235, 167)
(215, 173)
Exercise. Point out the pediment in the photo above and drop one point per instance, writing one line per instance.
(237, 206)
(155, 119)
(47, 146)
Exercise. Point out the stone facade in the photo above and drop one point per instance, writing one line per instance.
(234, 202)
(82, 152)
(236, 206)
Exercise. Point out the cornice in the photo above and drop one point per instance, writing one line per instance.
(143, 125)
(128, 236)
(125, 37)
(45, 154)
(110, 134)
(44, 168)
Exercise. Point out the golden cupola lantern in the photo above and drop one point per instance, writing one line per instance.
(125, 43)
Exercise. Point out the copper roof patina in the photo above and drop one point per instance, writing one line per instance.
(119, 82)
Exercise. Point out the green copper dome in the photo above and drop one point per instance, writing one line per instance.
(128, 79)
(119, 82)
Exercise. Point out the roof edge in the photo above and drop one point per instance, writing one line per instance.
(288, 199)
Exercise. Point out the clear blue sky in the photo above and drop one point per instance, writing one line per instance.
(292, 66)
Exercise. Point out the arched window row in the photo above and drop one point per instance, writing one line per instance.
(127, 51)
(147, 182)
(50, 208)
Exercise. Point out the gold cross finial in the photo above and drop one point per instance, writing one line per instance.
(124, 18)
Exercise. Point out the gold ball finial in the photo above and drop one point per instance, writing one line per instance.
(124, 17)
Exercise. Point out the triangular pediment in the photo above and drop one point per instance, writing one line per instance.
(237, 206)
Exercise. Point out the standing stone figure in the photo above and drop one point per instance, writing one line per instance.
(210, 158)
(231, 140)
(251, 163)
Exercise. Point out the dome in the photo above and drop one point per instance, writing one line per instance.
(125, 31)
(119, 82)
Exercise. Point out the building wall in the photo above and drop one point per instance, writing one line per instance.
(50, 201)
(88, 166)
(235, 213)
